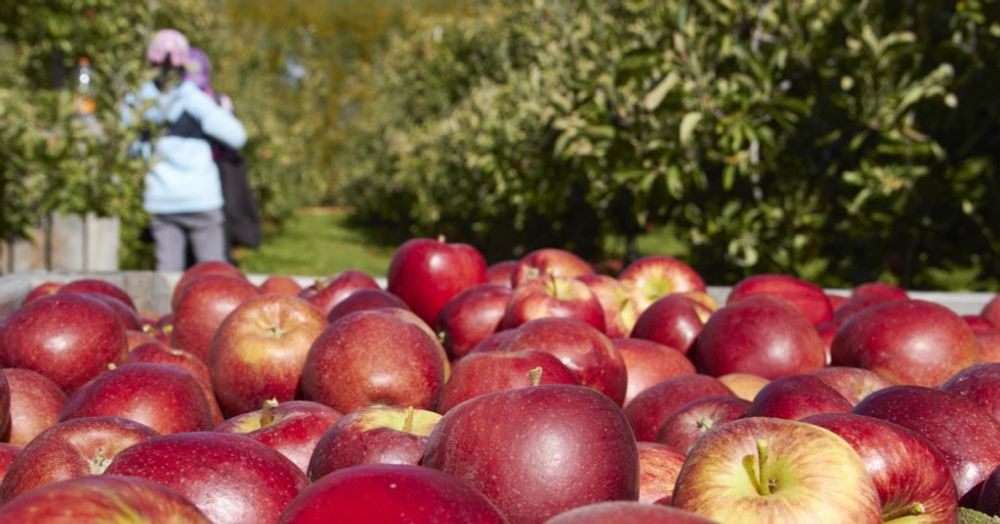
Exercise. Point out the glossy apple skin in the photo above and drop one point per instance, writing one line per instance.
(282, 285)
(648, 363)
(364, 300)
(761, 335)
(205, 303)
(744, 385)
(68, 338)
(907, 342)
(471, 316)
(991, 311)
(8, 452)
(963, 432)
(659, 465)
(547, 262)
(493, 342)
(585, 351)
(481, 373)
(125, 313)
(100, 287)
(328, 292)
(162, 397)
(41, 290)
(202, 268)
(627, 513)
(539, 451)
(104, 498)
(259, 350)
(427, 273)
(853, 384)
(692, 420)
(372, 357)
(71, 449)
(158, 353)
(372, 435)
(35, 402)
(232, 479)
(553, 297)
(880, 289)
(905, 467)
(296, 427)
(855, 305)
(652, 277)
(649, 409)
(501, 273)
(714, 482)
(673, 321)
(620, 312)
(797, 396)
(980, 384)
(805, 296)
(390, 493)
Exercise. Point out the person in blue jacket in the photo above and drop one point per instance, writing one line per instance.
(182, 191)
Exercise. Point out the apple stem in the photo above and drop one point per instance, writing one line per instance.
(909, 510)
(266, 411)
(535, 375)
(147, 329)
(756, 471)
(408, 420)
(168, 329)
(112, 366)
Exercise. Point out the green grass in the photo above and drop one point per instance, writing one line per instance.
(316, 242)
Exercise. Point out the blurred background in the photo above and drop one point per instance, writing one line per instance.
(840, 140)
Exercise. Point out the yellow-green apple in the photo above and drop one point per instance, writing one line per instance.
(980, 384)
(427, 272)
(162, 397)
(71, 449)
(907, 342)
(805, 296)
(291, 428)
(796, 397)
(373, 435)
(471, 316)
(648, 363)
(962, 431)
(553, 297)
(689, 422)
(654, 276)
(538, 451)
(744, 385)
(326, 293)
(104, 498)
(35, 402)
(68, 338)
(374, 357)
(619, 311)
(365, 299)
(390, 493)
(209, 267)
(622, 512)
(501, 273)
(232, 479)
(281, 284)
(761, 335)
(762, 469)
(647, 411)
(158, 353)
(912, 478)
(659, 465)
(853, 384)
(206, 301)
(549, 262)
(481, 373)
(674, 321)
(259, 350)
(588, 354)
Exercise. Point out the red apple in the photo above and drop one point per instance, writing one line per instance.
(763, 469)
(619, 311)
(68, 338)
(327, 293)
(232, 479)
(135, 338)
(208, 267)
(553, 297)
(963, 432)
(390, 493)
(549, 262)
(853, 384)
(471, 316)
(622, 512)
(8, 452)
(427, 273)
(673, 321)
(291, 428)
(282, 285)
(99, 287)
(482, 373)
(761, 335)
(855, 305)
(836, 300)
(987, 335)
(911, 476)
(797, 396)
(364, 300)
(584, 350)
(991, 311)
(5, 405)
(373, 435)
(652, 277)
(104, 498)
(692, 420)
(204, 304)
(535, 452)
(71, 449)
(501, 273)
(35, 402)
(157, 353)
(880, 289)
(41, 290)
(907, 342)
(744, 385)
(493, 342)
(826, 331)
(659, 466)
(259, 350)
(648, 410)
(980, 384)
(805, 296)
(374, 357)
(648, 363)
(125, 313)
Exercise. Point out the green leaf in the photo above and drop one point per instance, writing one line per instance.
(656, 95)
(688, 123)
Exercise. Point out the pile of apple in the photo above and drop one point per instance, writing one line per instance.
(528, 391)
